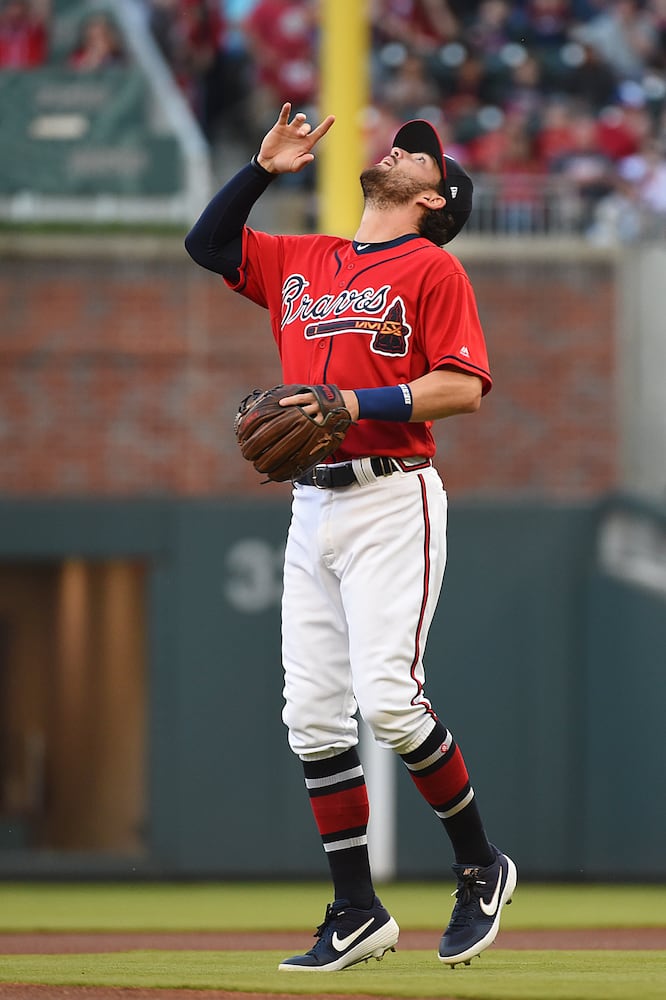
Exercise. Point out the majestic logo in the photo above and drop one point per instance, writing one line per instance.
(454, 191)
(464, 350)
(384, 322)
(341, 944)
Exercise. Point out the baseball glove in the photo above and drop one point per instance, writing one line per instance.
(284, 441)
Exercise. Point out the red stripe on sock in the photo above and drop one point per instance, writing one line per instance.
(342, 810)
(445, 783)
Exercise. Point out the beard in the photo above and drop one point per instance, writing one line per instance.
(384, 188)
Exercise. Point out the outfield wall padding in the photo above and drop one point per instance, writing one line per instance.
(549, 674)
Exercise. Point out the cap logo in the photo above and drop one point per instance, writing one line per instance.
(454, 191)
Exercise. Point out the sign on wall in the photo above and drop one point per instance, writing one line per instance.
(69, 134)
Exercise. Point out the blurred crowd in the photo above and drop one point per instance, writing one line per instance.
(26, 28)
(527, 94)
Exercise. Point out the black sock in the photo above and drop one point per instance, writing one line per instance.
(339, 801)
(438, 770)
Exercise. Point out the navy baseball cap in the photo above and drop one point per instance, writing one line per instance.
(419, 136)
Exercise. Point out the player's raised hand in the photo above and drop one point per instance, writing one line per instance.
(287, 147)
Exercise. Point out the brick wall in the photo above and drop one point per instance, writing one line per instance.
(121, 370)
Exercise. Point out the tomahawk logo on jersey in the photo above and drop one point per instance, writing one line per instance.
(409, 303)
(389, 333)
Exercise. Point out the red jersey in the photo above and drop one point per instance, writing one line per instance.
(361, 316)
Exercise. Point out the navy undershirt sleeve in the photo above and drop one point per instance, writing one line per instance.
(215, 241)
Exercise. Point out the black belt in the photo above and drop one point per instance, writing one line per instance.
(342, 473)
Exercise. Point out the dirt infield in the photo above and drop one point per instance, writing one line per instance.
(30, 944)
(634, 939)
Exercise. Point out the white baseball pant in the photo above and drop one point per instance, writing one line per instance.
(363, 571)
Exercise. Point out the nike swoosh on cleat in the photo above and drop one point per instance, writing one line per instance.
(341, 944)
(490, 909)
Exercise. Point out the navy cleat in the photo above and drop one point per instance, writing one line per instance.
(346, 937)
(480, 895)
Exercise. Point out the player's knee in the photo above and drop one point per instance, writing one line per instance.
(309, 737)
(390, 727)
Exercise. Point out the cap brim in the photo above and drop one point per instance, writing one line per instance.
(419, 136)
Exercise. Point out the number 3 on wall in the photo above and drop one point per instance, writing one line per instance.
(253, 575)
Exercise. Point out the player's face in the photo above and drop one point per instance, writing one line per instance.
(417, 165)
(400, 177)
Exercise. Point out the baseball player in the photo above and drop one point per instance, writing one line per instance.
(389, 317)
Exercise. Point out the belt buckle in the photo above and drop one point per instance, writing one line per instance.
(321, 477)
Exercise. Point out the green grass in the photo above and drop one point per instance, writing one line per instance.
(289, 906)
(498, 975)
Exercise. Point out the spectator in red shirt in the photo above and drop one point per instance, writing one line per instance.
(200, 32)
(422, 26)
(555, 135)
(622, 129)
(23, 33)
(194, 37)
(585, 167)
(281, 37)
(508, 154)
(99, 46)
